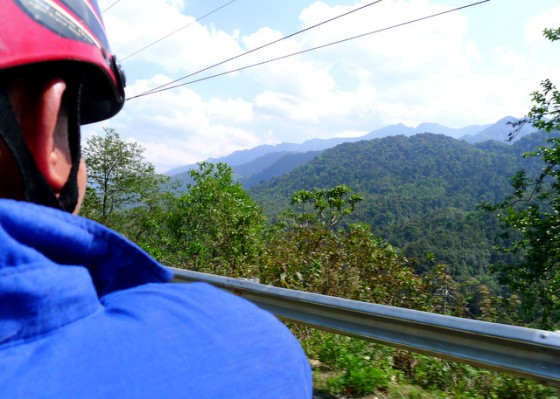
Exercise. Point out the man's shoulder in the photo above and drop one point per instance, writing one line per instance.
(222, 342)
(168, 340)
(195, 305)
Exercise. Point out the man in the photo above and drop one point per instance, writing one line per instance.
(83, 312)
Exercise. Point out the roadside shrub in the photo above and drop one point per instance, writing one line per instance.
(359, 380)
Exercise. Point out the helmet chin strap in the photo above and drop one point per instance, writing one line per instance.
(35, 187)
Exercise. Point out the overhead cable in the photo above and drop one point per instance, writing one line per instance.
(167, 87)
(158, 88)
(110, 6)
(177, 30)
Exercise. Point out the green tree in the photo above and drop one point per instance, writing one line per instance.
(325, 206)
(216, 226)
(123, 188)
(310, 250)
(531, 216)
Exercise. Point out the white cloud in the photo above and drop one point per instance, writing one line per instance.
(233, 111)
(184, 126)
(133, 25)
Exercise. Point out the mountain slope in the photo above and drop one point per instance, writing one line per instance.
(432, 167)
(260, 169)
(281, 165)
(421, 192)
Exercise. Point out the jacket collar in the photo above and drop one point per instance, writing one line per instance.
(48, 262)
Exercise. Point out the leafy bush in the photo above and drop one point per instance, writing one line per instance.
(360, 380)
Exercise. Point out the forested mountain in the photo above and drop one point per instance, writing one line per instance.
(251, 161)
(421, 193)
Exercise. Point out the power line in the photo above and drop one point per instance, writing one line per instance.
(110, 6)
(177, 30)
(167, 87)
(263, 46)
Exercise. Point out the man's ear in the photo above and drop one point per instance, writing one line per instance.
(51, 154)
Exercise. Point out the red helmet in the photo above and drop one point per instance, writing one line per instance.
(67, 37)
(68, 31)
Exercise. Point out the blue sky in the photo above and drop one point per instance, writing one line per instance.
(469, 67)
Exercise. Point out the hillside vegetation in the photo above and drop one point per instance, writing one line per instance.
(421, 193)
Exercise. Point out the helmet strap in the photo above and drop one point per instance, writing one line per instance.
(35, 187)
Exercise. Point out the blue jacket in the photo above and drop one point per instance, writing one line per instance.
(85, 313)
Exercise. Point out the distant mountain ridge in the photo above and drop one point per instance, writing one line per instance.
(245, 156)
(401, 129)
(261, 163)
(499, 131)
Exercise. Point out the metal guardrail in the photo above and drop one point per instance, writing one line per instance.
(520, 351)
